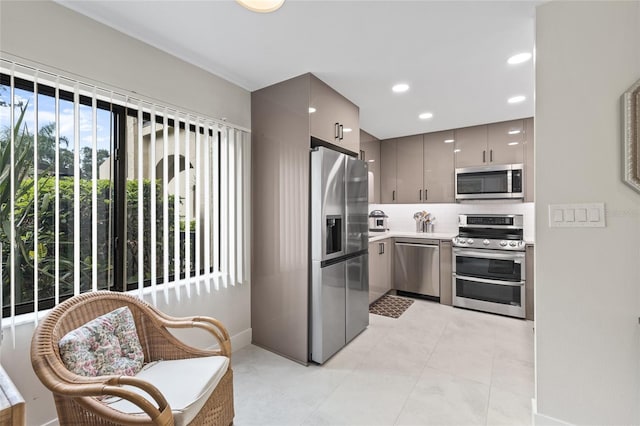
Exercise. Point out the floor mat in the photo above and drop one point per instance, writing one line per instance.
(390, 306)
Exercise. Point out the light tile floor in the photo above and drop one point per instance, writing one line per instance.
(435, 365)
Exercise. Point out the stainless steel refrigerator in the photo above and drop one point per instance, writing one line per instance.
(339, 291)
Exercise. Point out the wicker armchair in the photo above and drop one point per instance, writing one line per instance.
(79, 399)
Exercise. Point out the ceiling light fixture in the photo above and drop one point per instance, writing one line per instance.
(519, 58)
(312, 110)
(514, 132)
(425, 115)
(261, 6)
(400, 88)
(516, 99)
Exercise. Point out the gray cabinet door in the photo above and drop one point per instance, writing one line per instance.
(439, 167)
(504, 144)
(379, 269)
(409, 151)
(471, 146)
(370, 151)
(357, 298)
(446, 270)
(388, 168)
(334, 118)
(529, 283)
(529, 166)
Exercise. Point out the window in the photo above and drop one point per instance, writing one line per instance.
(102, 191)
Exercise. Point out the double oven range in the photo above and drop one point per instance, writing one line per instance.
(489, 264)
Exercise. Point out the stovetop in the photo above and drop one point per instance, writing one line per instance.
(494, 232)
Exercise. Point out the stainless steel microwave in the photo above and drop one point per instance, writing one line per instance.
(490, 182)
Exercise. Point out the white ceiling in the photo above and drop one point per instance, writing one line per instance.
(453, 54)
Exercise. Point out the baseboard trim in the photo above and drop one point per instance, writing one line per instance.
(242, 339)
(543, 420)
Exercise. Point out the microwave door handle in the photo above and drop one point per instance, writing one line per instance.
(509, 181)
(486, 281)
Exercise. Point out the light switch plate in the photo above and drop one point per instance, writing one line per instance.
(588, 215)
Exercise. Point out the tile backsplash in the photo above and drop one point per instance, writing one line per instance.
(401, 215)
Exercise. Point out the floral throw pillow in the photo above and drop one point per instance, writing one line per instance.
(106, 345)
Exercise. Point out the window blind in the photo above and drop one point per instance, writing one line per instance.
(184, 193)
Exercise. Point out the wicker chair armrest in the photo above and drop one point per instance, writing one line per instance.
(212, 325)
(112, 386)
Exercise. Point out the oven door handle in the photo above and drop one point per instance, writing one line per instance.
(486, 281)
(516, 256)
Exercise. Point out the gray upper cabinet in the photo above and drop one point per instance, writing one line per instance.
(388, 168)
(333, 118)
(471, 146)
(505, 142)
(409, 180)
(495, 143)
(438, 167)
(370, 152)
(529, 166)
(417, 169)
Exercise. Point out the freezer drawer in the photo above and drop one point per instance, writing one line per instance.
(417, 268)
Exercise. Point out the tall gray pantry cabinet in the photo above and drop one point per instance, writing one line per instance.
(282, 125)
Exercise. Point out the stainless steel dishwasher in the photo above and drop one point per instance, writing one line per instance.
(417, 267)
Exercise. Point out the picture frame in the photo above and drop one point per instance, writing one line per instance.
(631, 106)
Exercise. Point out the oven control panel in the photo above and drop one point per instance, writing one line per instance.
(511, 245)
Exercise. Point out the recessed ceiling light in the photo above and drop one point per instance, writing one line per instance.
(519, 58)
(312, 110)
(425, 115)
(449, 140)
(513, 143)
(514, 132)
(516, 99)
(400, 87)
(346, 129)
(261, 6)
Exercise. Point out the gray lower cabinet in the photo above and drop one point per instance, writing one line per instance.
(380, 255)
(446, 270)
(529, 282)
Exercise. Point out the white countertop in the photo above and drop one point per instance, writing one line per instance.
(377, 236)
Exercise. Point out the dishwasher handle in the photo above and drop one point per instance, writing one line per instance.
(436, 246)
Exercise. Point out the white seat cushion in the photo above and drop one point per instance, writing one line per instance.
(185, 383)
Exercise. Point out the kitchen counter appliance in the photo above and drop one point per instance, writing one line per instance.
(490, 182)
(339, 290)
(417, 268)
(489, 264)
(378, 221)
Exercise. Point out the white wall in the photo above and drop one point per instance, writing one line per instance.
(49, 34)
(587, 280)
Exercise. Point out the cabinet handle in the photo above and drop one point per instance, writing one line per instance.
(381, 248)
(393, 195)
(420, 195)
(426, 194)
(341, 132)
(336, 131)
(484, 156)
(491, 156)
